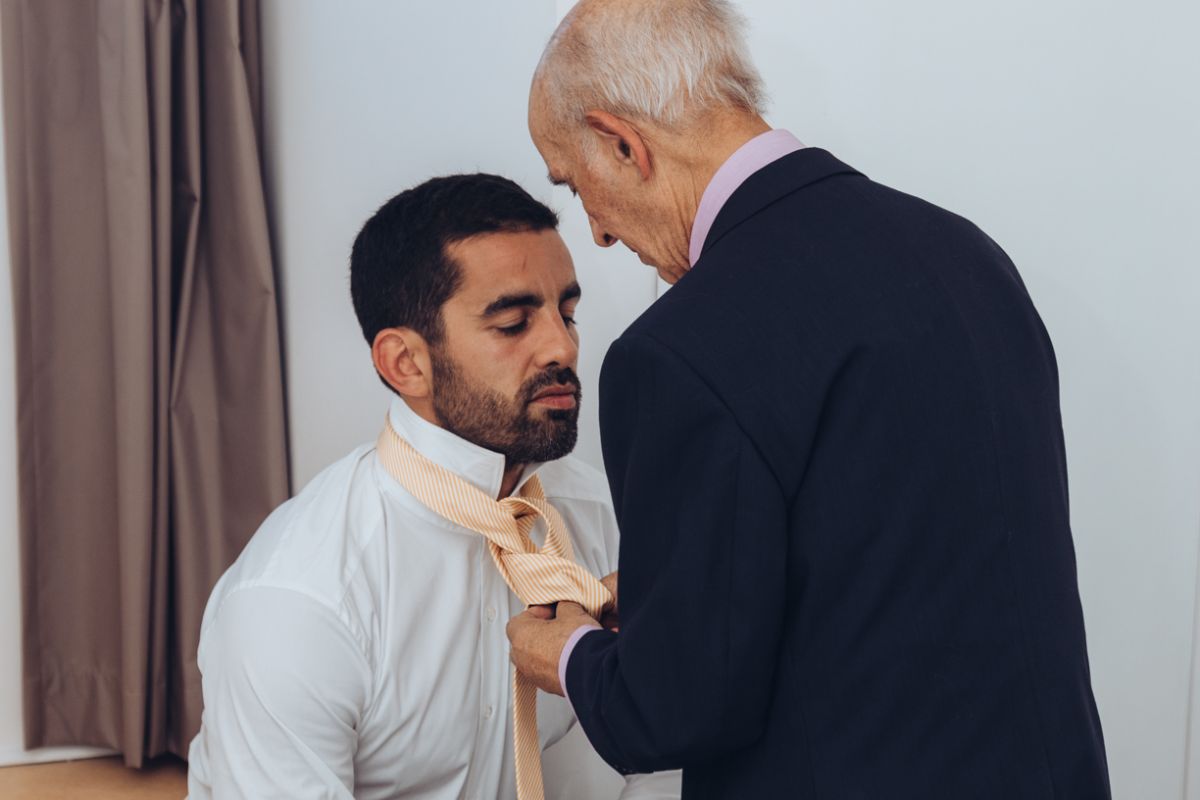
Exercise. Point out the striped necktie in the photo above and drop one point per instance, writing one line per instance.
(537, 576)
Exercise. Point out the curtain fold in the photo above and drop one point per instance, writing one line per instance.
(150, 398)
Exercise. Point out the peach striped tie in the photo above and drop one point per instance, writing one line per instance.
(538, 577)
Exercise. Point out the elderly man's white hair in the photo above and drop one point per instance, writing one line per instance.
(657, 60)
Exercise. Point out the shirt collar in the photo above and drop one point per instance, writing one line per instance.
(477, 465)
(745, 161)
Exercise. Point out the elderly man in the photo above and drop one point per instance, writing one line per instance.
(356, 648)
(835, 452)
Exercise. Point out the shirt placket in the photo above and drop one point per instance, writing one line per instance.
(494, 686)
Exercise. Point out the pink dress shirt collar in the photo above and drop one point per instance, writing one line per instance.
(745, 161)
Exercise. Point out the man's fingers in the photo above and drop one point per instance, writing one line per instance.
(610, 583)
(567, 609)
(541, 615)
(540, 612)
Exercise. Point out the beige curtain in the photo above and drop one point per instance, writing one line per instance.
(150, 391)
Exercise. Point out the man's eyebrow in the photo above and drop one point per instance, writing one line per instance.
(529, 300)
(505, 302)
(572, 292)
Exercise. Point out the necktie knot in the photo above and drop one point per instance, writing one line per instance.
(520, 507)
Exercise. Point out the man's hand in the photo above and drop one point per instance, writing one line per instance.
(610, 618)
(538, 636)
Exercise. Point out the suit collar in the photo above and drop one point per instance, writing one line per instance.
(778, 179)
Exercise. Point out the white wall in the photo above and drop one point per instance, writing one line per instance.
(1069, 132)
(10, 597)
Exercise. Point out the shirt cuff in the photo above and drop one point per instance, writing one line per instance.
(572, 640)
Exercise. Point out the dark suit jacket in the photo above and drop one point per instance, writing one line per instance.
(846, 566)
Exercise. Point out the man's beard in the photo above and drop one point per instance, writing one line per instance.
(484, 417)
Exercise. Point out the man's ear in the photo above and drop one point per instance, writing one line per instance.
(401, 357)
(621, 140)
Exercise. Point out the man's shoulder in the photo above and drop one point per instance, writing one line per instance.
(307, 542)
(570, 478)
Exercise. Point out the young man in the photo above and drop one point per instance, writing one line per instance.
(356, 648)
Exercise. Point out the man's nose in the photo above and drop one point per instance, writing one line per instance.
(558, 345)
(602, 237)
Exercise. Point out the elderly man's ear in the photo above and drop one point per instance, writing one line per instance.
(401, 358)
(621, 141)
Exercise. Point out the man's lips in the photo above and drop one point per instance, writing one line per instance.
(557, 396)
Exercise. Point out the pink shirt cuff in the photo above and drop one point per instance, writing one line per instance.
(566, 653)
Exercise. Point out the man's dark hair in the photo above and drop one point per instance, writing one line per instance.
(400, 273)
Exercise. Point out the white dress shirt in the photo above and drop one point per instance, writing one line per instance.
(357, 648)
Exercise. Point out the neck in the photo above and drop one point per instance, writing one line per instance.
(423, 407)
(723, 135)
(512, 473)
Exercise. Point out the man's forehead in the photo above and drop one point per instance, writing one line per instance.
(546, 136)
(538, 110)
(504, 263)
(558, 166)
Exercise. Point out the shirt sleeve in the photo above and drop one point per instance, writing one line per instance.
(656, 786)
(703, 526)
(284, 687)
(564, 658)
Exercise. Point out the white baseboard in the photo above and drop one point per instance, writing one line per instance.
(14, 756)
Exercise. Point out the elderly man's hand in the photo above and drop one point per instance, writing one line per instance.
(610, 618)
(538, 636)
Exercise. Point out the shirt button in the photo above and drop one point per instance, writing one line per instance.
(488, 712)
(490, 613)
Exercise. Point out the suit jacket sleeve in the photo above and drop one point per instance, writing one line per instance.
(703, 549)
